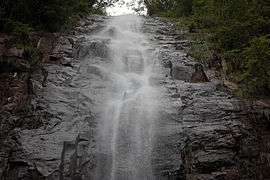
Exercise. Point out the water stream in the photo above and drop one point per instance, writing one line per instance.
(126, 126)
(112, 111)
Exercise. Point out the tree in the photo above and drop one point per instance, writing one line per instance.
(49, 15)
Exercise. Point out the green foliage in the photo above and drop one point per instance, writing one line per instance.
(48, 15)
(233, 62)
(20, 17)
(238, 32)
(255, 78)
(200, 51)
(231, 37)
(19, 29)
(171, 8)
(200, 48)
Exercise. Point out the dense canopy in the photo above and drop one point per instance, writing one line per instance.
(48, 15)
(239, 32)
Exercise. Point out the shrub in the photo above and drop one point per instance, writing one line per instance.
(255, 79)
(238, 30)
(48, 15)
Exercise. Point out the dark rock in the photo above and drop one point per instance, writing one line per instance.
(208, 162)
(15, 52)
(55, 58)
(179, 47)
(72, 41)
(14, 93)
(215, 61)
(199, 75)
(67, 62)
(184, 43)
(175, 95)
(202, 132)
(46, 44)
(180, 72)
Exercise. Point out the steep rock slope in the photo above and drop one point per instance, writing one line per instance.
(202, 131)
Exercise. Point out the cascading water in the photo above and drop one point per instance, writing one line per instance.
(150, 126)
(126, 126)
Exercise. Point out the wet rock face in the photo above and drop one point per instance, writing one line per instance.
(133, 62)
(54, 137)
(213, 130)
(181, 73)
(97, 48)
(191, 73)
(203, 133)
(46, 44)
(14, 77)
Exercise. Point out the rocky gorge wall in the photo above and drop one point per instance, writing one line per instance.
(225, 137)
(203, 133)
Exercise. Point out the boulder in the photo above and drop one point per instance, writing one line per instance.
(15, 52)
(99, 49)
(215, 61)
(180, 72)
(67, 62)
(46, 44)
(199, 75)
(55, 57)
(95, 48)
(6, 51)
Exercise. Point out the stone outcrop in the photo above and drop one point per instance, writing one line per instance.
(203, 132)
(40, 141)
(14, 76)
(199, 75)
(13, 92)
(183, 73)
(45, 42)
(218, 135)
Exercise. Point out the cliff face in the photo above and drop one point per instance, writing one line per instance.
(222, 138)
(202, 131)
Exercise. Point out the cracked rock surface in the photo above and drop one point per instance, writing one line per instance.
(203, 132)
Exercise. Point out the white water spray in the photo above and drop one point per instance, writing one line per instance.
(126, 127)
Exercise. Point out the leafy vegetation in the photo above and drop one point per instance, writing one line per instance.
(238, 31)
(47, 15)
(20, 17)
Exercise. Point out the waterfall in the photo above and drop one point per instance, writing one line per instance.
(126, 126)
